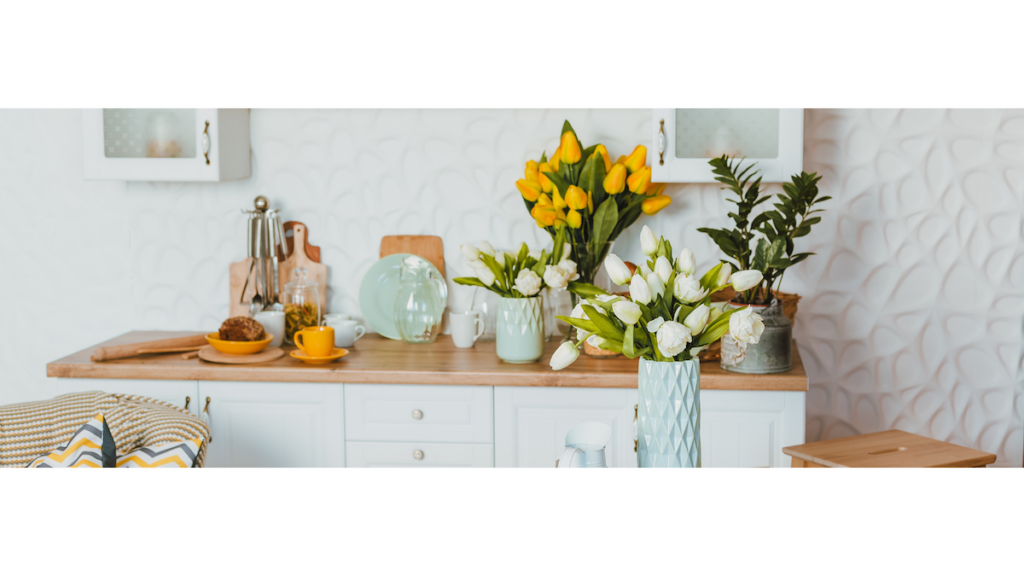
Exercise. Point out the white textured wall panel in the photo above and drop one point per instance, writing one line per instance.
(912, 311)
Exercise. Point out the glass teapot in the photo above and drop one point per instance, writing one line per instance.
(422, 298)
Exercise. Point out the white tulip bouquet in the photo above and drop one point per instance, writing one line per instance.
(668, 316)
(523, 274)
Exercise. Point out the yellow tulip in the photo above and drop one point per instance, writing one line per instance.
(654, 204)
(544, 200)
(545, 182)
(639, 180)
(576, 198)
(530, 190)
(556, 158)
(636, 160)
(621, 160)
(590, 201)
(570, 147)
(532, 173)
(615, 181)
(604, 154)
(656, 189)
(556, 198)
(544, 214)
(573, 219)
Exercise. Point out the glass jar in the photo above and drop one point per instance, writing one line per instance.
(421, 300)
(301, 304)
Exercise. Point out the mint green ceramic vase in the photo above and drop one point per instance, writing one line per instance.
(520, 337)
(668, 418)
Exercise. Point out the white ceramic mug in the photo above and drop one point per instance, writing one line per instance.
(335, 317)
(466, 327)
(346, 332)
(273, 323)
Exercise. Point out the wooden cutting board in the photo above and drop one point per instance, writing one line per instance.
(429, 248)
(309, 257)
(268, 354)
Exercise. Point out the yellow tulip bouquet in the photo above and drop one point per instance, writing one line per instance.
(579, 190)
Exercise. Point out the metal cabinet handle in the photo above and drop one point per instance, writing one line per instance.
(206, 142)
(417, 454)
(187, 400)
(417, 414)
(636, 429)
(662, 141)
(205, 416)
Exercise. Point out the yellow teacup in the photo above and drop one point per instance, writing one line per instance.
(316, 340)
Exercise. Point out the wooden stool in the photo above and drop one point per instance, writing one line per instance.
(890, 449)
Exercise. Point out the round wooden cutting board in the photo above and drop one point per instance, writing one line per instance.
(268, 354)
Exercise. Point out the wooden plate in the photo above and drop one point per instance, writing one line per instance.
(267, 355)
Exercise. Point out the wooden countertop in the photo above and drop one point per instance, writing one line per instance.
(377, 360)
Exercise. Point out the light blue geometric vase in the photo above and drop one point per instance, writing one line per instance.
(669, 414)
(520, 337)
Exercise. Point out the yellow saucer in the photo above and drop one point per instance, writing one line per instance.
(301, 355)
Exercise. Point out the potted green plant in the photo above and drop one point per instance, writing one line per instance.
(764, 242)
(666, 320)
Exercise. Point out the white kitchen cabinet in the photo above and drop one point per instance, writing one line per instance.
(530, 423)
(684, 139)
(166, 144)
(418, 455)
(394, 412)
(181, 393)
(276, 425)
(749, 429)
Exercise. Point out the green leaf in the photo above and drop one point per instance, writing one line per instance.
(579, 323)
(710, 277)
(566, 127)
(558, 181)
(592, 176)
(497, 269)
(606, 328)
(470, 281)
(716, 329)
(584, 290)
(559, 247)
(524, 252)
(605, 218)
(611, 345)
(627, 343)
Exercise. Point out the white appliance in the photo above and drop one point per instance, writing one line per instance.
(584, 446)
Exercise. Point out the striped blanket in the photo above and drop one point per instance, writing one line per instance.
(31, 429)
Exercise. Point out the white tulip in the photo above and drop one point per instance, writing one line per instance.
(686, 264)
(578, 312)
(528, 282)
(746, 279)
(724, 273)
(745, 327)
(656, 285)
(696, 350)
(556, 277)
(639, 291)
(648, 243)
(482, 272)
(626, 311)
(486, 247)
(653, 325)
(663, 268)
(535, 254)
(500, 257)
(609, 298)
(697, 319)
(673, 338)
(570, 268)
(565, 355)
(470, 252)
(687, 289)
(617, 270)
(566, 251)
(596, 341)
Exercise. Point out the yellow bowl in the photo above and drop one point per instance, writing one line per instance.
(239, 348)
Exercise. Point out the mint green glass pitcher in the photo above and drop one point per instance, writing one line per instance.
(422, 298)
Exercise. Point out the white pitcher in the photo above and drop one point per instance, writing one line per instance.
(584, 446)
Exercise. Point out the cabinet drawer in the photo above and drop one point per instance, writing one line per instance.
(419, 413)
(404, 454)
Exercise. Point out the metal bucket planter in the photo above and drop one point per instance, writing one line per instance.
(773, 352)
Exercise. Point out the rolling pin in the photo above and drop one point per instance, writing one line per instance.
(153, 347)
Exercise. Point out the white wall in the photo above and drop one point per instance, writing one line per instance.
(912, 311)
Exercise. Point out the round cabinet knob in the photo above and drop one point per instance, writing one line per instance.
(416, 415)
(417, 454)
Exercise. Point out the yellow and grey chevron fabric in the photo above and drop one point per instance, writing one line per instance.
(173, 455)
(32, 429)
(91, 446)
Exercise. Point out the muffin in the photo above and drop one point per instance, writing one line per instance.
(241, 329)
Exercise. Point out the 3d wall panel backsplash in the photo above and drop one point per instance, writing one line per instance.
(912, 309)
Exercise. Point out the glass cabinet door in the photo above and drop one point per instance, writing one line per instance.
(149, 133)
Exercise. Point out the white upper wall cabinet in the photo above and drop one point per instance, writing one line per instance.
(166, 144)
(684, 139)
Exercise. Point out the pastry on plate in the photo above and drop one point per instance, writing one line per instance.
(241, 329)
